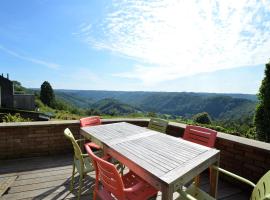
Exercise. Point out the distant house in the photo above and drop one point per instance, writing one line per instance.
(14, 101)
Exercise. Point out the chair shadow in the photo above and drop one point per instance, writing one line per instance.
(87, 189)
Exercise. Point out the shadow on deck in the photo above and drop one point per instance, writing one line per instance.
(49, 177)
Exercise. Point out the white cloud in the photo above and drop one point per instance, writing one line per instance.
(30, 59)
(176, 38)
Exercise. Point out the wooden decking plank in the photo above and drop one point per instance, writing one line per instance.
(14, 169)
(5, 183)
(38, 171)
(40, 191)
(40, 174)
(44, 174)
(35, 186)
(41, 179)
(44, 179)
(37, 194)
(239, 196)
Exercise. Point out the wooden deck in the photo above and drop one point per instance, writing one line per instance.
(49, 177)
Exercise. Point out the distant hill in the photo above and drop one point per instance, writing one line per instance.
(219, 106)
(114, 107)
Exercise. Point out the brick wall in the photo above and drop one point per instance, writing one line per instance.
(245, 157)
(28, 139)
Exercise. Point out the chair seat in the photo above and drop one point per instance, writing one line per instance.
(143, 190)
(94, 146)
(197, 193)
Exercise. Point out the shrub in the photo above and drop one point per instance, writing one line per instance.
(202, 118)
(15, 118)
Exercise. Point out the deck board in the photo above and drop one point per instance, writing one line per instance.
(48, 178)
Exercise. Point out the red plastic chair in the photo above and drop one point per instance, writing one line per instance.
(128, 187)
(203, 136)
(91, 121)
(200, 135)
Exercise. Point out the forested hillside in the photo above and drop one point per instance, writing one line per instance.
(219, 106)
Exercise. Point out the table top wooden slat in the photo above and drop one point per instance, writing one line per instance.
(108, 132)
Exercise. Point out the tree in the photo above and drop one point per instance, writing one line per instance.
(46, 93)
(18, 88)
(202, 118)
(262, 114)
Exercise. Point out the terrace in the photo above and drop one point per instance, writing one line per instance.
(38, 157)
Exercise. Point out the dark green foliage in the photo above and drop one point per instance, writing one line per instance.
(235, 112)
(113, 107)
(151, 114)
(202, 118)
(92, 111)
(172, 103)
(15, 118)
(46, 94)
(18, 88)
(262, 115)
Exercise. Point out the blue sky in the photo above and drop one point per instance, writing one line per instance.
(155, 45)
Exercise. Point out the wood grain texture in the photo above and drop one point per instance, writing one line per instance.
(37, 182)
(156, 157)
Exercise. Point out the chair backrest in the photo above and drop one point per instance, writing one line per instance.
(90, 121)
(200, 135)
(76, 147)
(108, 175)
(158, 125)
(262, 189)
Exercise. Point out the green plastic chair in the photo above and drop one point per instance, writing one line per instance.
(81, 162)
(261, 190)
(158, 125)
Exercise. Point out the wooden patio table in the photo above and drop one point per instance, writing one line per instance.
(164, 161)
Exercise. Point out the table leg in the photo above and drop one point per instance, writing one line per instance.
(167, 193)
(197, 181)
(214, 181)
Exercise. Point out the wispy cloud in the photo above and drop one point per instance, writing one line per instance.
(172, 38)
(30, 59)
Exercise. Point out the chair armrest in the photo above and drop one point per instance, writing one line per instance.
(84, 155)
(186, 195)
(106, 157)
(135, 188)
(80, 140)
(244, 180)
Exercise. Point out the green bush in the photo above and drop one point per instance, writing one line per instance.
(15, 118)
(202, 118)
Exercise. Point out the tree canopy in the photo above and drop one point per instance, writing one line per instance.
(262, 115)
(46, 93)
(202, 118)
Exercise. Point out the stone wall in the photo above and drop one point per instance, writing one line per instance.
(245, 157)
